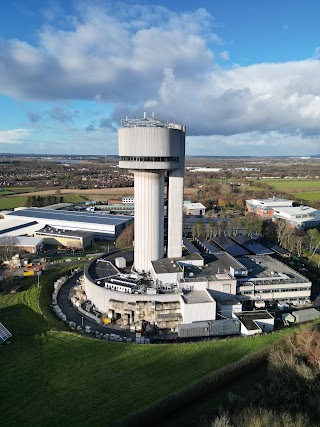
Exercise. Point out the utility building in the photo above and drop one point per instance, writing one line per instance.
(154, 150)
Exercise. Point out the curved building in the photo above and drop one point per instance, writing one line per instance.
(154, 149)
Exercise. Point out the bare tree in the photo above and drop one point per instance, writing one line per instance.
(8, 247)
(125, 240)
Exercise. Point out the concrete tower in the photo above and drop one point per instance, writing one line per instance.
(153, 149)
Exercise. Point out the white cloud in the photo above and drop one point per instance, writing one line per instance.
(316, 54)
(14, 136)
(224, 55)
(272, 143)
(149, 57)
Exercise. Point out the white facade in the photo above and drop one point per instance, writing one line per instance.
(197, 306)
(194, 208)
(148, 218)
(298, 217)
(175, 200)
(128, 200)
(265, 207)
(255, 322)
(151, 149)
(101, 296)
(269, 279)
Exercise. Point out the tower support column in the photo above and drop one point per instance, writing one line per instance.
(148, 218)
(175, 202)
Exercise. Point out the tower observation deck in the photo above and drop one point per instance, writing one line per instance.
(154, 149)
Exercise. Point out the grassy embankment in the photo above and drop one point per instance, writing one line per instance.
(59, 377)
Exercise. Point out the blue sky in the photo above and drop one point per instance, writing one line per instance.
(243, 76)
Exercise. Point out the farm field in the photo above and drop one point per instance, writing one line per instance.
(10, 202)
(59, 377)
(313, 196)
(14, 190)
(294, 185)
(78, 196)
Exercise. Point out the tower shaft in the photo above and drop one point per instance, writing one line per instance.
(148, 218)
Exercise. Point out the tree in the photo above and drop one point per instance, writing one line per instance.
(221, 202)
(8, 247)
(197, 230)
(210, 229)
(125, 240)
(284, 234)
(314, 236)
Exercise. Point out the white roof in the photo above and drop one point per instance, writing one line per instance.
(191, 205)
(271, 202)
(29, 241)
(21, 227)
(297, 211)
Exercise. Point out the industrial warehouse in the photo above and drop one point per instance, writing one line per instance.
(101, 225)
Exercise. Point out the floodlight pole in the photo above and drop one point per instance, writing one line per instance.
(38, 274)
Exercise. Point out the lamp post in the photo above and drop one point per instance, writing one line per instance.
(38, 274)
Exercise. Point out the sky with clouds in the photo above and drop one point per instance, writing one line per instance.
(243, 76)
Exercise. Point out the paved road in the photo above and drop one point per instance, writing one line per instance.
(74, 315)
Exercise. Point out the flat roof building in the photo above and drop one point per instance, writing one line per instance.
(190, 208)
(299, 217)
(101, 225)
(269, 280)
(197, 306)
(32, 245)
(72, 239)
(255, 322)
(265, 207)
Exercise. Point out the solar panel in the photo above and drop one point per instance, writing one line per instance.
(253, 246)
(190, 247)
(4, 334)
(229, 246)
(211, 247)
(272, 246)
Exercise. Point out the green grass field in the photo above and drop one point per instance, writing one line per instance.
(293, 185)
(313, 196)
(73, 198)
(14, 190)
(10, 202)
(51, 377)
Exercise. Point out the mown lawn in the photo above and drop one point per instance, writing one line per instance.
(50, 377)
